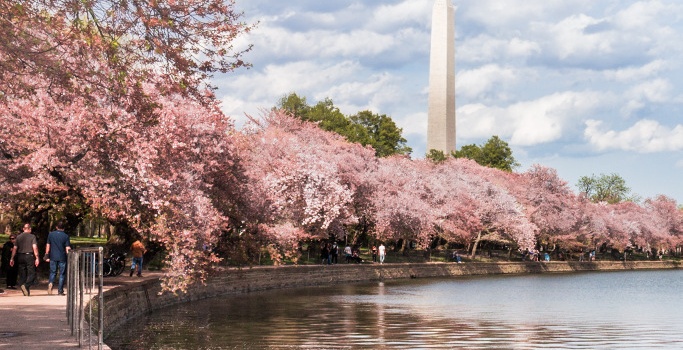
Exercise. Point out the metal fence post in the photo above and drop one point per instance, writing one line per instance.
(84, 273)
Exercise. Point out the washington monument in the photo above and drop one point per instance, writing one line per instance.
(441, 114)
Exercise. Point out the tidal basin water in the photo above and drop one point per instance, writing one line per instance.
(606, 310)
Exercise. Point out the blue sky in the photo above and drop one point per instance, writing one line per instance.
(582, 86)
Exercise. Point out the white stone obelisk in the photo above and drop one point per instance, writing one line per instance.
(441, 115)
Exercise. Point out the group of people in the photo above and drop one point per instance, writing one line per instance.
(382, 251)
(535, 255)
(456, 257)
(329, 253)
(20, 259)
(353, 254)
(591, 256)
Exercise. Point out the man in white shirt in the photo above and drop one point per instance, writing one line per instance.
(382, 253)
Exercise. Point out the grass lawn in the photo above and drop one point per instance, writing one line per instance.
(75, 241)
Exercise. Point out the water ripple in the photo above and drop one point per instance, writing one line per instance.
(475, 313)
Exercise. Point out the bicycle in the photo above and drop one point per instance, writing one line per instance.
(114, 264)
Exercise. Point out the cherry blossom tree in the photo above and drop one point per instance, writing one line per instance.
(548, 202)
(618, 226)
(626, 225)
(500, 213)
(654, 225)
(178, 45)
(401, 203)
(156, 174)
(455, 208)
(666, 230)
(307, 180)
(105, 104)
(417, 199)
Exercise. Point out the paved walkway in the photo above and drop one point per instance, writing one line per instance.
(39, 321)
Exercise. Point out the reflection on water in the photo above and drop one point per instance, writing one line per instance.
(621, 310)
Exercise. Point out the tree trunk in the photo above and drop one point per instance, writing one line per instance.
(474, 246)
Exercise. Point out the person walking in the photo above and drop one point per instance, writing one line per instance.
(325, 253)
(382, 253)
(347, 253)
(10, 272)
(138, 250)
(26, 252)
(334, 253)
(374, 253)
(56, 253)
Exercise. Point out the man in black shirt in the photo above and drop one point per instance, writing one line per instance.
(10, 271)
(26, 252)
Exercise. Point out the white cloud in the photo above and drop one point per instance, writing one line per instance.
(417, 12)
(570, 38)
(652, 27)
(529, 123)
(645, 136)
(522, 48)
(376, 91)
(414, 123)
(485, 48)
(638, 72)
(658, 90)
(282, 43)
(303, 75)
(253, 90)
(477, 120)
(482, 80)
(654, 91)
(607, 39)
(273, 41)
(500, 14)
(546, 119)
(642, 15)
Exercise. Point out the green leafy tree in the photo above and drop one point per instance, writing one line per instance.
(495, 153)
(605, 188)
(381, 133)
(436, 156)
(472, 151)
(294, 105)
(329, 118)
(324, 113)
(365, 127)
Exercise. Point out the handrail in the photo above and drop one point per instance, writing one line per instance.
(84, 275)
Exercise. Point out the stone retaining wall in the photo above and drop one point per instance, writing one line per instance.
(126, 302)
